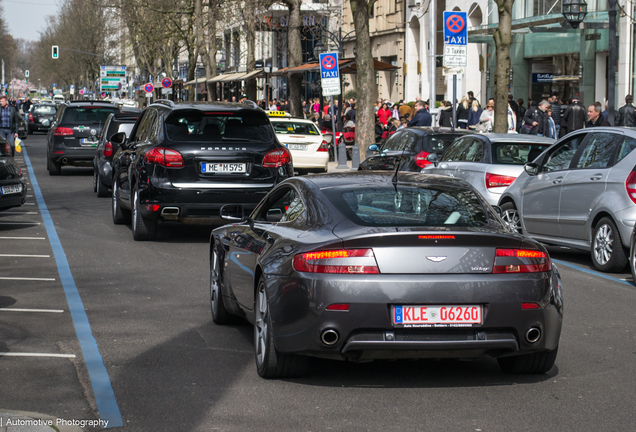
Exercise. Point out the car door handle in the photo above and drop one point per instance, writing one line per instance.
(597, 177)
(444, 166)
(557, 180)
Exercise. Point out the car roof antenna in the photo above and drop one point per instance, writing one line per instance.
(397, 168)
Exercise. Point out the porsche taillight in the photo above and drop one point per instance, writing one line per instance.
(165, 157)
(277, 158)
(108, 149)
(521, 261)
(342, 261)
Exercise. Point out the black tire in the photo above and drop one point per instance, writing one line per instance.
(269, 362)
(143, 228)
(220, 314)
(95, 179)
(632, 261)
(608, 254)
(535, 363)
(120, 215)
(55, 169)
(101, 188)
(510, 215)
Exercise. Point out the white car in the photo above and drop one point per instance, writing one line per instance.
(310, 152)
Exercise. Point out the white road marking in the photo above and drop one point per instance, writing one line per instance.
(24, 256)
(28, 204)
(20, 223)
(27, 279)
(19, 213)
(31, 310)
(22, 238)
(19, 354)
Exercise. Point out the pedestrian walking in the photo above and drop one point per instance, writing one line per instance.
(487, 118)
(552, 126)
(463, 110)
(421, 116)
(535, 121)
(512, 117)
(446, 114)
(556, 114)
(404, 109)
(474, 114)
(8, 122)
(575, 116)
(595, 117)
(26, 106)
(626, 115)
(384, 114)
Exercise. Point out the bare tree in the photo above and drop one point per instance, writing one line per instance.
(503, 40)
(365, 77)
(294, 56)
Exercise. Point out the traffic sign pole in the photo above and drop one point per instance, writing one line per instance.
(455, 48)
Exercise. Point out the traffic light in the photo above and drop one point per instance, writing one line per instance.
(26, 73)
(55, 51)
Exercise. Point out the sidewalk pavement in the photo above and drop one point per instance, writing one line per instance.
(22, 421)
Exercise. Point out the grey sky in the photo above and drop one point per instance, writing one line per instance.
(26, 18)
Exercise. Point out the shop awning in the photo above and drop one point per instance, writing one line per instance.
(347, 66)
(259, 73)
(200, 80)
(232, 77)
(216, 78)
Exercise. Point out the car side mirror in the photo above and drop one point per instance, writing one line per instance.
(432, 158)
(498, 210)
(374, 148)
(532, 169)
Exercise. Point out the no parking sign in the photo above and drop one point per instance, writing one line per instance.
(329, 74)
(455, 28)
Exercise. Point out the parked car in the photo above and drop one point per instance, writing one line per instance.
(358, 267)
(72, 138)
(580, 193)
(490, 162)
(13, 186)
(309, 150)
(411, 146)
(102, 164)
(41, 116)
(184, 161)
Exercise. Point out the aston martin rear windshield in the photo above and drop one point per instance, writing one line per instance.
(408, 205)
(218, 126)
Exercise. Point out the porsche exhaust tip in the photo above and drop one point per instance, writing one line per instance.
(65, 161)
(329, 337)
(533, 335)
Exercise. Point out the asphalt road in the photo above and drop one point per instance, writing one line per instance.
(172, 369)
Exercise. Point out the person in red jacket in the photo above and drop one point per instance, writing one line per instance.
(384, 113)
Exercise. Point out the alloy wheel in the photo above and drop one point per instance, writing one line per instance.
(135, 215)
(603, 244)
(261, 327)
(511, 217)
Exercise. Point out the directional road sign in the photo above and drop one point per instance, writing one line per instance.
(329, 74)
(72, 89)
(166, 83)
(111, 77)
(149, 88)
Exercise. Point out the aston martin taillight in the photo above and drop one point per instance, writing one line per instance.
(342, 261)
(521, 261)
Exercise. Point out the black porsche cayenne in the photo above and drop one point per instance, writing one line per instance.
(183, 162)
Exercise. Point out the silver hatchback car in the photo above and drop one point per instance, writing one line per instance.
(580, 193)
(490, 162)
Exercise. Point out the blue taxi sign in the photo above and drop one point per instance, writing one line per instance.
(455, 28)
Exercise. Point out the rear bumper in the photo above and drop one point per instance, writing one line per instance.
(73, 155)
(318, 160)
(298, 306)
(13, 200)
(199, 204)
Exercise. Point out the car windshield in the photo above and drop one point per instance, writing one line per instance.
(45, 110)
(439, 143)
(510, 153)
(409, 205)
(294, 128)
(87, 115)
(196, 125)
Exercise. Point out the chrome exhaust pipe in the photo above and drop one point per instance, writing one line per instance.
(533, 335)
(329, 337)
(65, 161)
(170, 211)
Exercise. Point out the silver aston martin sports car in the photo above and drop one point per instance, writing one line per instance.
(371, 265)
